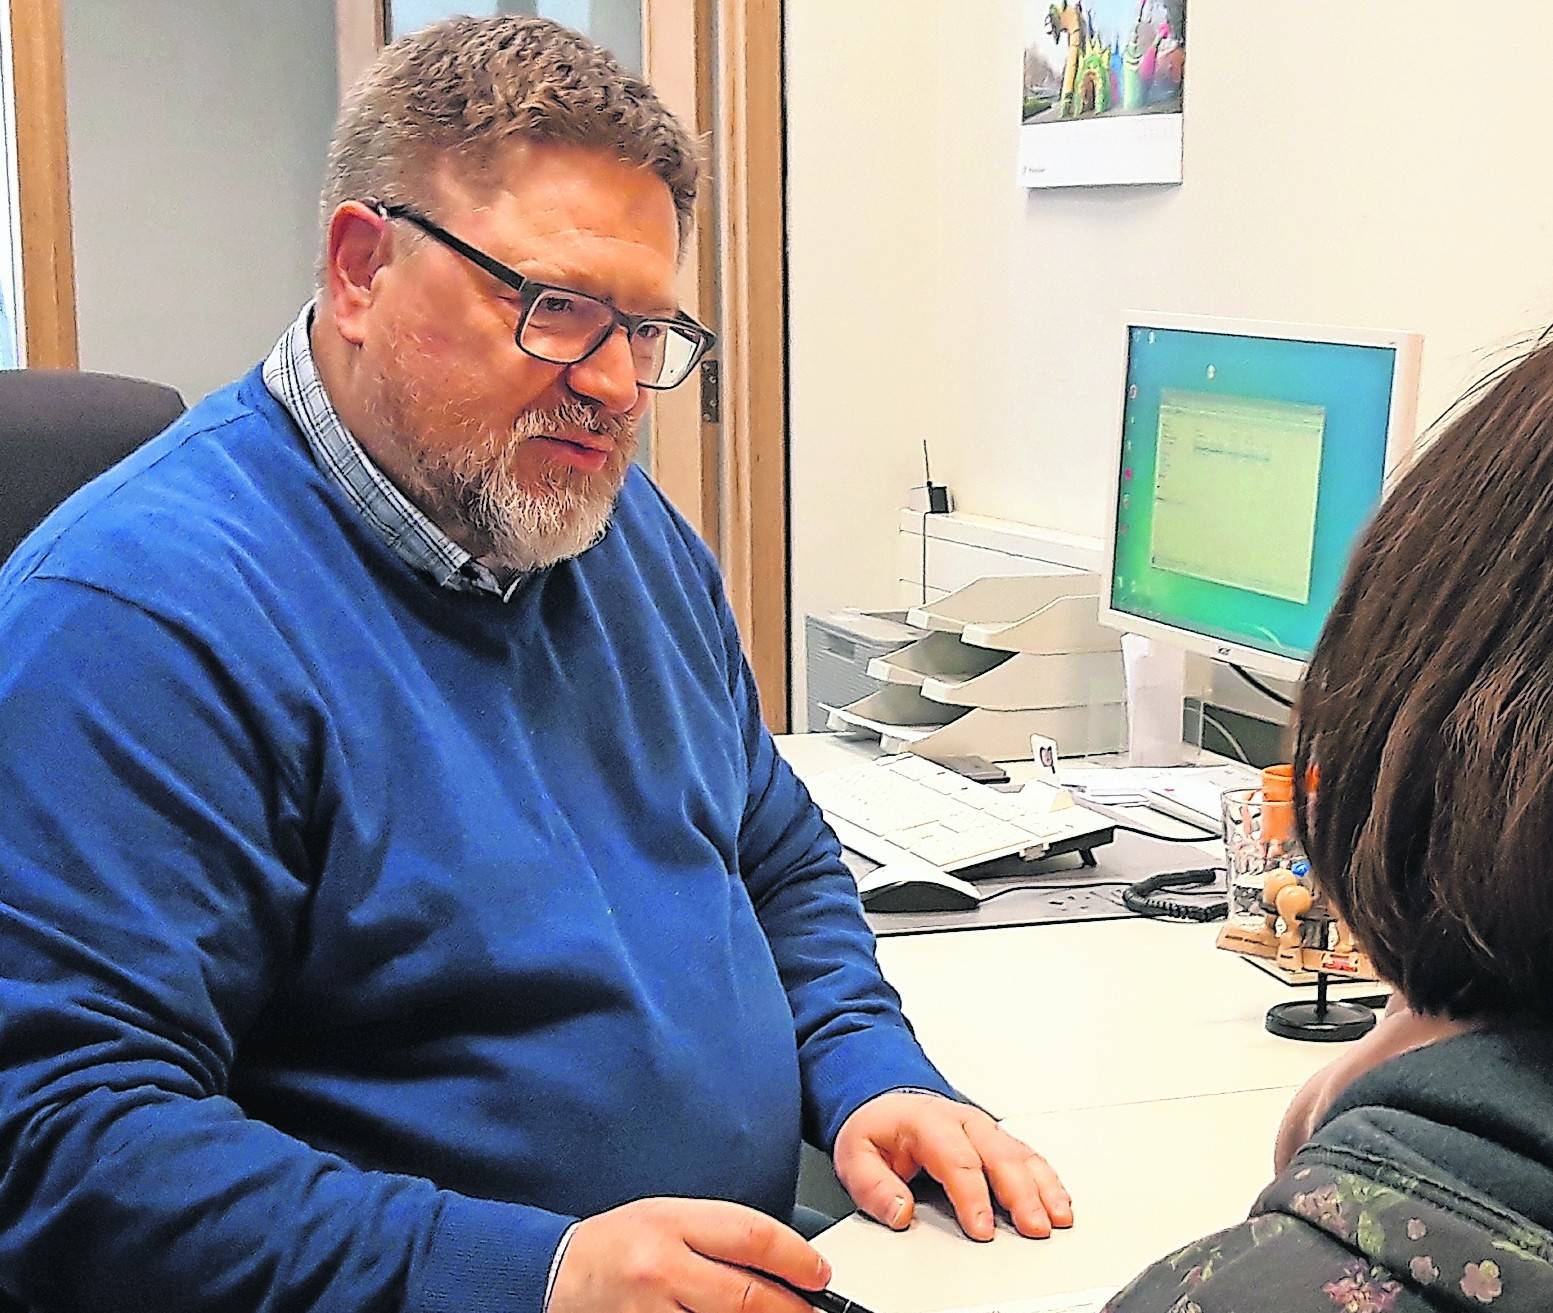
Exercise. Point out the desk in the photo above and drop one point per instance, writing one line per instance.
(1130, 1053)
(1128, 859)
(1139, 1191)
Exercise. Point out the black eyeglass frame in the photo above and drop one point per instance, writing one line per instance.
(532, 288)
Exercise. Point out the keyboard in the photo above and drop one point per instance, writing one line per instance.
(908, 804)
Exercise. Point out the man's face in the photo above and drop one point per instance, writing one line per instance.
(525, 457)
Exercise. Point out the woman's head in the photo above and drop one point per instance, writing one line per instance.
(1428, 710)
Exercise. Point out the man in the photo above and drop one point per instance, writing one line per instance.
(394, 867)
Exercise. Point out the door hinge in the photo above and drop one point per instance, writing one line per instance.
(711, 393)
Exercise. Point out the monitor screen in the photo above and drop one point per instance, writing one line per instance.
(1248, 466)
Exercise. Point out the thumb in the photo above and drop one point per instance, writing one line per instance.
(874, 1188)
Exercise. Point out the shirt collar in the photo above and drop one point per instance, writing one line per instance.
(291, 375)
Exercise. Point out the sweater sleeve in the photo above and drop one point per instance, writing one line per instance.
(154, 878)
(854, 1043)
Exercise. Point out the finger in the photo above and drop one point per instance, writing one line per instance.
(1054, 1195)
(874, 1187)
(712, 1287)
(947, 1154)
(1023, 1181)
(733, 1234)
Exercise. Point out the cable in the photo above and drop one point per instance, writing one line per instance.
(1230, 738)
(1145, 899)
(1043, 887)
(1139, 897)
(927, 508)
(1270, 694)
(924, 558)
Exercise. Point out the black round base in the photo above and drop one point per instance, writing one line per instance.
(1322, 1021)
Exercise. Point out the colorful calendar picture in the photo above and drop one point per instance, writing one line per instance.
(1104, 92)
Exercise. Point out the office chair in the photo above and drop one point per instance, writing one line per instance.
(61, 428)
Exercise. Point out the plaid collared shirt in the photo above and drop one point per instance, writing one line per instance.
(292, 378)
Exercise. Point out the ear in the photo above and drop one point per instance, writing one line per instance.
(358, 245)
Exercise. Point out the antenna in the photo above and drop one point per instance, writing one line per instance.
(936, 500)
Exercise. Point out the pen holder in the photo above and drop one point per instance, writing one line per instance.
(1258, 839)
(1275, 913)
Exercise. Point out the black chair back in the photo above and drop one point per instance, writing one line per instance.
(60, 429)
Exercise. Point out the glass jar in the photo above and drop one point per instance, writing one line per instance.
(1259, 838)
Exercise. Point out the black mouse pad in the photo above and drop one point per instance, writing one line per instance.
(1052, 892)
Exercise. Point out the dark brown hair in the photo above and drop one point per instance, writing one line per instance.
(1428, 711)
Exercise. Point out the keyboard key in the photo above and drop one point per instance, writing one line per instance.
(940, 816)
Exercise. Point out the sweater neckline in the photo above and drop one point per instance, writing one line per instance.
(518, 613)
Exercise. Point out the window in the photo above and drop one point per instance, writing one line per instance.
(11, 335)
(614, 24)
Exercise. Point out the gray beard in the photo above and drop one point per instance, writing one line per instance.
(525, 528)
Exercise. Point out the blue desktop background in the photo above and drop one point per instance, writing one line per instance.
(1352, 384)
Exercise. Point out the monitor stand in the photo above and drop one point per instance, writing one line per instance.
(1155, 674)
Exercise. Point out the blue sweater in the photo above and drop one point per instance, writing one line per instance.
(356, 935)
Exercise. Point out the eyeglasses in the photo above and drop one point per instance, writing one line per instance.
(562, 326)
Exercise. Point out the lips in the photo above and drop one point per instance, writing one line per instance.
(587, 452)
(587, 441)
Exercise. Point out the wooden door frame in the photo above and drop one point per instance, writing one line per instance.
(48, 306)
(751, 141)
(728, 479)
(677, 58)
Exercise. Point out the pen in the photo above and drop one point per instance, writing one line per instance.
(827, 1301)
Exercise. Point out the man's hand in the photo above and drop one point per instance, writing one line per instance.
(889, 1139)
(668, 1255)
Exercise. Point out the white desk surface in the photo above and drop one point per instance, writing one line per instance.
(1145, 1180)
(1050, 1018)
(1132, 1054)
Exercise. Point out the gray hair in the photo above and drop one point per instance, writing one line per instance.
(463, 88)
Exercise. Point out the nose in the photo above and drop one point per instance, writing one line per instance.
(608, 376)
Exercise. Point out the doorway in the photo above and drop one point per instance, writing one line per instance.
(719, 445)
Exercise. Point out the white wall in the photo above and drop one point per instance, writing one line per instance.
(197, 140)
(1344, 164)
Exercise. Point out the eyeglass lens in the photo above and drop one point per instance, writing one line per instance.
(564, 326)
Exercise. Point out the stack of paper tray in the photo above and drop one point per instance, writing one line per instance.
(1004, 658)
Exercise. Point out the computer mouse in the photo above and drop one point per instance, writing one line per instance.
(917, 891)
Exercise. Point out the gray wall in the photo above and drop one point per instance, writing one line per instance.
(197, 136)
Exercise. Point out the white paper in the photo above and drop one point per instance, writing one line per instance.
(1101, 152)
(1042, 799)
(1192, 784)
(1045, 755)
(1075, 1301)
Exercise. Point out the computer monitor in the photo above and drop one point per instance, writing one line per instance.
(1249, 456)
